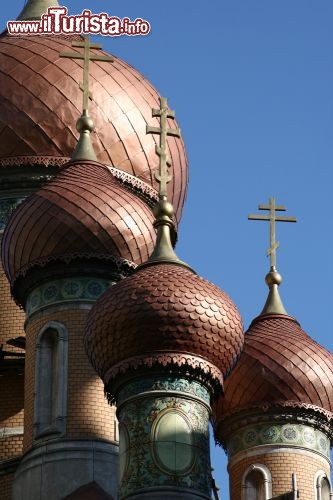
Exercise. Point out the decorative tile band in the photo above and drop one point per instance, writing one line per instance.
(297, 435)
(164, 384)
(66, 290)
(164, 438)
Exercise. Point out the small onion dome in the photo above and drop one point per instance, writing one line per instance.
(40, 99)
(83, 213)
(280, 366)
(163, 314)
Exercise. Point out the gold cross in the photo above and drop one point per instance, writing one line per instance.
(87, 57)
(164, 113)
(272, 218)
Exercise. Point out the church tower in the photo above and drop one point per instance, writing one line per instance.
(275, 419)
(163, 340)
(92, 212)
(101, 323)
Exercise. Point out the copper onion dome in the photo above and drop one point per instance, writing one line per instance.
(84, 211)
(40, 101)
(158, 312)
(279, 366)
(163, 314)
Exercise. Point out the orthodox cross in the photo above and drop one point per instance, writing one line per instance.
(164, 113)
(87, 57)
(272, 218)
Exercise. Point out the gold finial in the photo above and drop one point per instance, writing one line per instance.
(163, 211)
(273, 278)
(84, 125)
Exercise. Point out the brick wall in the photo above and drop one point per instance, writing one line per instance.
(11, 406)
(11, 316)
(11, 447)
(6, 486)
(11, 386)
(88, 413)
(281, 465)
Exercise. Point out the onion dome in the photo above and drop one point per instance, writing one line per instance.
(82, 214)
(281, 366)
(163, 314)
(40, 101)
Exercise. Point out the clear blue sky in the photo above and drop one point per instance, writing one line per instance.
(251, 82)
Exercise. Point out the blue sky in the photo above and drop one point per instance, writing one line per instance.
(251, 82)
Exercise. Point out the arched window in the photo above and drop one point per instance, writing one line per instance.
(51, 374)
(256, 483)
(323, 486)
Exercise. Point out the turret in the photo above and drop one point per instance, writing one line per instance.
(275, 419)
(162, 340)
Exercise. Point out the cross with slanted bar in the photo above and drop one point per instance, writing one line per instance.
(87, 57)
(272, 218)
(162, 176)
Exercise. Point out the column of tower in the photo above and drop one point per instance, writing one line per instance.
(162, 340)
(70, 435)
(37, 121)
(63, 247)
(275, 420)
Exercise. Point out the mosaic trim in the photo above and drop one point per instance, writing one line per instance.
(7, 207)
(66, 290)
(193, 366)
(168, 384)
(139, 418)
(297, 435)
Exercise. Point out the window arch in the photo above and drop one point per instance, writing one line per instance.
(257, 483)
(51, 374)
(323, 486)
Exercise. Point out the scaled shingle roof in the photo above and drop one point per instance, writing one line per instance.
(280, 366)
(83, 211)
(40, 101)
(163, 309)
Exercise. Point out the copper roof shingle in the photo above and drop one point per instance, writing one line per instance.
(159, 309)
(40, 102)
(280, 364)
(83, 210)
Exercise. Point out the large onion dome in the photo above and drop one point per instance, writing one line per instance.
(163, 314)
(40, 101)
(82, 214)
